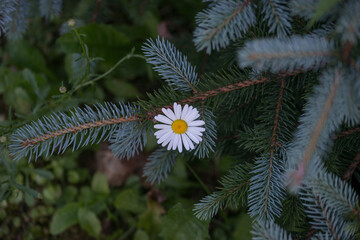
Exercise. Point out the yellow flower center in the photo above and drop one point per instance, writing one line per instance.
(179, 126)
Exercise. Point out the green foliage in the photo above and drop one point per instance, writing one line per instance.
(101, 40)
(130, 200)
(64, 218)
(182, 224)
(99, 184)
(89, 222)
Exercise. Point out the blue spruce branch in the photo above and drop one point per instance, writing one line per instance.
(277, 15)
(268, 230)
(222, 22)
(171, 64)
(335, 193)
(7, 7)
(159, 164)
(348, 25)
(324, 217)
(235, 185)
(267, 189)
(303, 8)
(207, 144)
(60, 131)
(321, 236)
(50, 8)
(327, 108)
(128, 140)
(286, 54)
(17, 27)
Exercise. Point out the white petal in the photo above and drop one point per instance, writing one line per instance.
(185, 140)
(192, 137)
(196, 123)
(162, 126)
(184, 111)
(159, 133)
(193, 117)
(163, 119)
(190, 110)
(177, 110)
(163, 137)
(169, 113)
(196, 129)
(198, 136)
(193, 114)
(179, 144)
(190, 143)
(176, 140)
(171, 144)
(168, 139)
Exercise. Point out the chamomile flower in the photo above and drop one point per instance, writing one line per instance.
(179, 127)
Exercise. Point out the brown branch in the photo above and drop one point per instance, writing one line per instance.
(345, 54)
(75, 129)
(232, 87)
(211, 93)
(274, 142)
(347, 133)
(225, 89)
(150, 115)
(327, 218)
(350, 171)
(277, 114)
(275, 12)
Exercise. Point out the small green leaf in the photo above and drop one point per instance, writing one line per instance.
(141, 235)
(121, 88)
(64, 218)
(99, 184)
(19, 99)
(16, 222)
(51, 193)
(130, 200)
(181, 224)
(29, 200)
(73, 176)
(89, 222)
(44, 173)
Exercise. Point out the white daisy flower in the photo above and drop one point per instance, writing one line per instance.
(179, 127)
